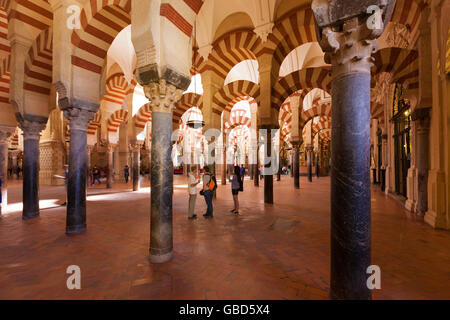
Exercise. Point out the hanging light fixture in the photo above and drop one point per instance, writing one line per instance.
(195, 120)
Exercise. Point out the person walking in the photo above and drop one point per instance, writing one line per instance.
(193, 181)
(96, 175)
(126, 173)
(236, 186)
(242, 172)
(209, 186)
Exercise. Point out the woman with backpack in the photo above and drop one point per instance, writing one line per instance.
(236, 186)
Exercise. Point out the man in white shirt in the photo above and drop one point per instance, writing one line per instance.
(193, 181)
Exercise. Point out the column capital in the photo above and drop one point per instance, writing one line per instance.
(163, 96)
(421, 117)
(5, 133)
(79, 118)
(110, 147)
(135, 145)
(347, 33)
(31, 126)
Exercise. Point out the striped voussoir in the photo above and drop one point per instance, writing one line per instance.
(226, 97)
(94, 124)
(238, 117)
(143, 116)
(36, 14)
(324, 123)
(308, 78)
(238, 135)
(117, 88)
(38, 64)
(116, 119)
(401, 63)
(187, 101)
(229, 50)
(293, 29)
(407, 12)
(322, 109)
(101, 21)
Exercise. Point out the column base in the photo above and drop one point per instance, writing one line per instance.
(30, 216)
(76, 229)
(158, 259)
(410, 205)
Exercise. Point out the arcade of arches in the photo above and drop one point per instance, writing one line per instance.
(355, 108)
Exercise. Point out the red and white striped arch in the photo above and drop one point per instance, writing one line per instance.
(38, 64)
(94, 124)
(324, 123)
(323, 109)
(101, 21)
(228, 50)
(401, 63)
(5, 48)
(37, 14)
(116, 119)
(291, 30)
(407, 12)
(308, 78)
(238, 117)
(117, 88)
(230, 94)
(143, 116)
(187, 101)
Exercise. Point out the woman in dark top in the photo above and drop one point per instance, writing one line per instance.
(235, 186)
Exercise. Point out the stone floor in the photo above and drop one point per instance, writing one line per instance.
(278, 251)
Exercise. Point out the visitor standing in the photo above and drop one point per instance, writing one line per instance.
(236, 186)
(96, 175)
(193, 181)
(126, 173)
(209, 186)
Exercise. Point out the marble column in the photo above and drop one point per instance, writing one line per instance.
(421, 116)
(296, 166)
(316, 157)
(256, 172)
(5, 133)
(279, 169)
(31, 127)
(76, 187)
(110, 153)
(292, 163)
(136, 164)
(15, 164)
(162, 99)
(268, 178)
(224, 162)
(348, 44)
(88, 166)
(309, 162)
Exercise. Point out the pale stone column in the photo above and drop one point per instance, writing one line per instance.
(135, 147)
(348, 44)
(15, 164)
(88, 165)
(79, 118)
(163, 97)
(5, 133)
(309, 150)
(31, 126)
(110, 153)
(421, 117)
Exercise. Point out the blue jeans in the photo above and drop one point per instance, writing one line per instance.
(208, 199)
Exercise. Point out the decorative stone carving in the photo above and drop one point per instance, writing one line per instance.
(79, 118)
(32, 126)
(264, 30)
(162, 96)
(398, 35)
(205, 51)
(6, 133)
(146, 57)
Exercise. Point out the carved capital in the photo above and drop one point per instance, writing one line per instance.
(163, 96)
(350, 50)
(421, 118)
(5, 133)
(264, 30)
(31, 126)
(79, 118)
(111, 147)
(135, 145)
(347, 32)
